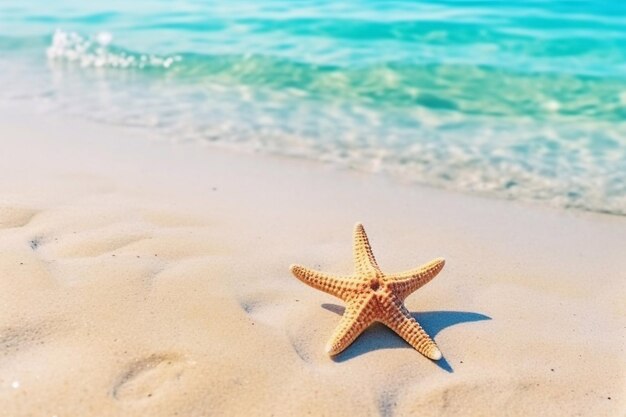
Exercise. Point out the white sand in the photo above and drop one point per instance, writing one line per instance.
(143, 279)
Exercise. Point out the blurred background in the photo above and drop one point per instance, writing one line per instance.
(524, 99)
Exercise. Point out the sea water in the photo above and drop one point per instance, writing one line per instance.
(523, 99)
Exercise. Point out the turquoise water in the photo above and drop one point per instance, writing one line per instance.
(523, 99)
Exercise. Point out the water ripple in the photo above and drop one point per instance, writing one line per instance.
(520, 99)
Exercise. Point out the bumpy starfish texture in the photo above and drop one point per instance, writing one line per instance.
(372, 296)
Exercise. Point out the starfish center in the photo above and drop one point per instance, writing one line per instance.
(375, 284)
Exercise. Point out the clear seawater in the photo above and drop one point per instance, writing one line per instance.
(523, 99)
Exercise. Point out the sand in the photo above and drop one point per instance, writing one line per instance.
(143, 278)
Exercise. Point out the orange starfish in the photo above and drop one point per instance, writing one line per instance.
(372, 296)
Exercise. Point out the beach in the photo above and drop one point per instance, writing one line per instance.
(144, 278)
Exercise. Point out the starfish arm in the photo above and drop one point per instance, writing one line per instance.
(400, 321)
(364, 260)
(338, 286)
(403, 284)
(358, 316)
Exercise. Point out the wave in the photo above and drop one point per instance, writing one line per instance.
(468, 89)
(540, 134)
(96, 52)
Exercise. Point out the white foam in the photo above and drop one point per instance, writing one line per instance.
(96, 52)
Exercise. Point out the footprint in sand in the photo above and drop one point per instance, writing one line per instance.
(271, 309)
(95, 243)
(267, 308)
(14, 339)
(149, 377)
(277, 310)
(15, 216)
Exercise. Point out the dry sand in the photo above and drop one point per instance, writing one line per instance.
(139, 278)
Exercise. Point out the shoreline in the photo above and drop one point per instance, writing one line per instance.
(226, 150)
(151, 278)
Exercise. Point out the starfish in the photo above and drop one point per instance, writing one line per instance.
(372, 296)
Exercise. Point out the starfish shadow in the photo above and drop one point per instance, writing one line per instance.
(378, 336)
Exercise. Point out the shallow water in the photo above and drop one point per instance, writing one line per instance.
(523, 100)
